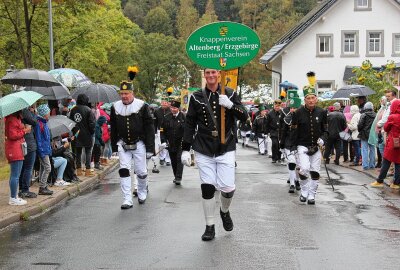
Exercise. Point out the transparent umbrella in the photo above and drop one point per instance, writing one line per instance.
(70, 77)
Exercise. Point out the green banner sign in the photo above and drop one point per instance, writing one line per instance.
(223, 45)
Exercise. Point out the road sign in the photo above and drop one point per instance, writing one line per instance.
(223, 45)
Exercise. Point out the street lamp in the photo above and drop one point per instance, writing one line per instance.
(51, 35)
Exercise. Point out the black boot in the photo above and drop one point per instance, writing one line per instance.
(303, 199)
(209, 233)
(291, 189)
(297, 184)
(311, 201)
(45, 191)
(226, 220)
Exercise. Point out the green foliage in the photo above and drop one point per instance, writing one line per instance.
(157, 21)
(156, 67)
(209, 16)
(187, 19)
(378, 80)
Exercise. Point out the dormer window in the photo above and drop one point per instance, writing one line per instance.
(362, 5)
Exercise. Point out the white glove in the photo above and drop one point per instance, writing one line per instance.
(163, 146)
(225, 102)
(149, 155)
(320, 142)
(185, 158)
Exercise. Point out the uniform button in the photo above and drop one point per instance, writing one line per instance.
(214, 102)
(214, 107)
(215, 116)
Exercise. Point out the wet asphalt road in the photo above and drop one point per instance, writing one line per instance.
(355, 227)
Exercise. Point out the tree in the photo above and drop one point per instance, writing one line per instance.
(209, 16)
(135, 13)
(250, 11)
(157, 21)
(378, 80)
(187, 19)
(170, 7)
(226, 10)
(156, 56)
(17, 19)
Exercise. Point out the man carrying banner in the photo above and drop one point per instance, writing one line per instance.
(216, 161)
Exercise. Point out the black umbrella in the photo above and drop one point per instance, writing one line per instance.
(98, 92)
(60, 124)
(56, 92)
(349, 91)
(30, 77)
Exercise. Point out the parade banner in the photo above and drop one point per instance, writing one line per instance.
(223, 45)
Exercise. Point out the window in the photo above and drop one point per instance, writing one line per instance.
(375, 43)
(362, 5)
(396, 44)
(324, 87)
(325, 45)
(349, 43)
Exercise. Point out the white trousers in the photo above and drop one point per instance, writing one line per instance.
(263, 145)
(140, 169)
(291, 157)
(245, 136)
(266, 146)
(218, 171)
(163, 154)
(308, 163)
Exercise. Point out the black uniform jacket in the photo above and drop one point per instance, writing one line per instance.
(159, 116)
(285, 130)
(199, 124)
(132, 123)
(308, 126)
(260, 126)
(171, 131)
(245, 125)
(273, 122)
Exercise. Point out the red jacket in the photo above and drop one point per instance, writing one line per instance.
(392, 127)
(14, 135)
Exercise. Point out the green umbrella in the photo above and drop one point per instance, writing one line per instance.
(17, 101)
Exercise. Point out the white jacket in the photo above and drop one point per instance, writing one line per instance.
(355, 111)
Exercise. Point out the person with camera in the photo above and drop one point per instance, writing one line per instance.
(309, 126)
(132, 136)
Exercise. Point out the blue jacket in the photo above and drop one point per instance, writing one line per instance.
(43, 138)
(99, 131)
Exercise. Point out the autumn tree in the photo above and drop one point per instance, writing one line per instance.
(157, 21)
(187, 19)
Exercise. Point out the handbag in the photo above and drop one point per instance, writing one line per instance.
(24, 147)
(345, 136)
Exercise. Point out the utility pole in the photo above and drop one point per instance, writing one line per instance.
(51, 35)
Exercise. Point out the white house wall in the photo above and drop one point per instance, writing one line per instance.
(300, 56)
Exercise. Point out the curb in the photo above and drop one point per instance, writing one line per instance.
(65, 194)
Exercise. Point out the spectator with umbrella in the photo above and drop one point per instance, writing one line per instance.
(14, 134)
(29, 119)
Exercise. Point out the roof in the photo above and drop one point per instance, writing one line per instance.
(298, 29)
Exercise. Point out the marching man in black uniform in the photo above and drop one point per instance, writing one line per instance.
(293, 103)
(171, 132)
(159, 115)
(260, 129)
(216, 161)
(132, 136)
(309, 126)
